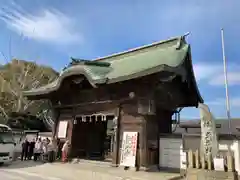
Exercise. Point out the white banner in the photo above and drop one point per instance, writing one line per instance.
(129, 149)
(62, 129)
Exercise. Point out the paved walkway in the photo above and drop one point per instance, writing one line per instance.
(31, 170)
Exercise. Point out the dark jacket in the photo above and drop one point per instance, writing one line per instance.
(25, 146)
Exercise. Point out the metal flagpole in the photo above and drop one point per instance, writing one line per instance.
(226, 81)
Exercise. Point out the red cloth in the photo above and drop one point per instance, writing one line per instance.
(64, 156)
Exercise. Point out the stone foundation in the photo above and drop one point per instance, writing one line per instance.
(197, 174)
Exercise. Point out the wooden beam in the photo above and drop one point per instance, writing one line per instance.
(62, 106)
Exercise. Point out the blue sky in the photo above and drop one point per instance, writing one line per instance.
(49, 32)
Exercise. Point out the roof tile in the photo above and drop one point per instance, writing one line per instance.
(146, 60)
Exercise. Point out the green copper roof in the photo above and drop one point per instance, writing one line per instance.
(142, 61)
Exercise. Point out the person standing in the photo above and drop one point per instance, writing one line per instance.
(65, 151)
(24, 154)
(47, 140)
(59, 149)
(51, 150)
(31, 149)
(55, 147)
(38, 149)
(45, 151)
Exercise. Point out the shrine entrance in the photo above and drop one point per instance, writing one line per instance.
(91, 137)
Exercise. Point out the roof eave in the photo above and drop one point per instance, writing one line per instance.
(57, 84)
(101, 80)
(197, 92)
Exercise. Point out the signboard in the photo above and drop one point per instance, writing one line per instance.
(129, 149)
(218, 164)
(62, 129)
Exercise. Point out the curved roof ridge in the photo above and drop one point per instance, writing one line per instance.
(141, 47)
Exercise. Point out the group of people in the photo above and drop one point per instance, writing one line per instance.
(46, 149)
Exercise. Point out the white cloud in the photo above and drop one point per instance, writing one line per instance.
(205, 71)
(235, 102)
(233, 79)
(48, 25)
(213, 74)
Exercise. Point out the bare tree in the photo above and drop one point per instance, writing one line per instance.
(18, 76)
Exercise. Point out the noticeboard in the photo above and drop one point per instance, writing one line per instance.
(62, 129)
(129, 149)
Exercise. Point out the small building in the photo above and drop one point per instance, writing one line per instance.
(138, 90)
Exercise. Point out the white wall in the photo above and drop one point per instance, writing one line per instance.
(172, 155)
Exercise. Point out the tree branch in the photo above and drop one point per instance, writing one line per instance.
(2, 110)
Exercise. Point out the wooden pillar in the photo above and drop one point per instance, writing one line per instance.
(151, 141)
(56, 121)
(165, 120)
(158, 143)
(71, 136)
(116, 143)
(143, 144)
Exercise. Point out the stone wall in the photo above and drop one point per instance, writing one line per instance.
(201, 168)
